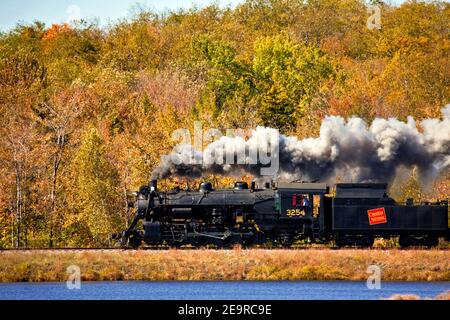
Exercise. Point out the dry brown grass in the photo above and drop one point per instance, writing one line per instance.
(404, 297)
(237, 264)
(442, 296)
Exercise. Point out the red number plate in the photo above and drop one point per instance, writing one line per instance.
(377, 216)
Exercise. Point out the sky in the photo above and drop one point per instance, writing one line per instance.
(57, 11)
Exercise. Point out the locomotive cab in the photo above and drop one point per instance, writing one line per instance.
(305, 203)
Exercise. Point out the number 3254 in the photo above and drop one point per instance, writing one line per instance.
(295, 213)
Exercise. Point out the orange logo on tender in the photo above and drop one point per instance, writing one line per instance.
(377, 216)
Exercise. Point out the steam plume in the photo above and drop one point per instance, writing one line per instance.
(361, 152)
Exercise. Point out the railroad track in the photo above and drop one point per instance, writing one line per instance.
(219, 249)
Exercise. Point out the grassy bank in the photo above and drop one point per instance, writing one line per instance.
(442, 296)
(237, 264)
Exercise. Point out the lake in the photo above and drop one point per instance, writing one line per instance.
(226, 290)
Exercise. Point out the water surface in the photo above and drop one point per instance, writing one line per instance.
(226, 290)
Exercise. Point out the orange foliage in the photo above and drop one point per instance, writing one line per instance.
(55, 30)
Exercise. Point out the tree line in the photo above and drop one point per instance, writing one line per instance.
(87, 111)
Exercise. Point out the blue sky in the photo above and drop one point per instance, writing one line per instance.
(57, 11)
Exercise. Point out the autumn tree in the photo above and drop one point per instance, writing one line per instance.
(59, 121)
(95, 195)
(288, 75)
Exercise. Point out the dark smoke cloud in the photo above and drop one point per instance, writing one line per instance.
(350, 148)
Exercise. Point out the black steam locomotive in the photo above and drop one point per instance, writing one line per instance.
(282, 214)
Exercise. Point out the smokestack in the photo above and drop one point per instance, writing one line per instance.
(154, 185)
(240, 185)
(205, 187)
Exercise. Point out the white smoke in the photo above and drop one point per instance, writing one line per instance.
(370, 153)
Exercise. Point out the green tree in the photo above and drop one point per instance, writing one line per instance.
(288, 75)
(96, 194)
(133, 46)
(228, 77)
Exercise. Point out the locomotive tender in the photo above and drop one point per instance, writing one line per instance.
(282, 214)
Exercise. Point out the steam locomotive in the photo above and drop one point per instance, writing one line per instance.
(282, 214)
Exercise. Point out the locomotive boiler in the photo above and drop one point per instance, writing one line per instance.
(282, 214)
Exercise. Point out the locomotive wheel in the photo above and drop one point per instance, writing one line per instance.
(406, 241)
(198, 242)
(175, 244)
(231, 241)
(432, 242)
(215, 242)
(365, 242)
(134, 241)
(340, 242)
(429, 241)
(249, 241)
(353, 240)
(286, 240)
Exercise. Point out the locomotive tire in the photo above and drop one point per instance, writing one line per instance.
(134, 241)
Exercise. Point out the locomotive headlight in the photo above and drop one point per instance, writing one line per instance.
(154, 185)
